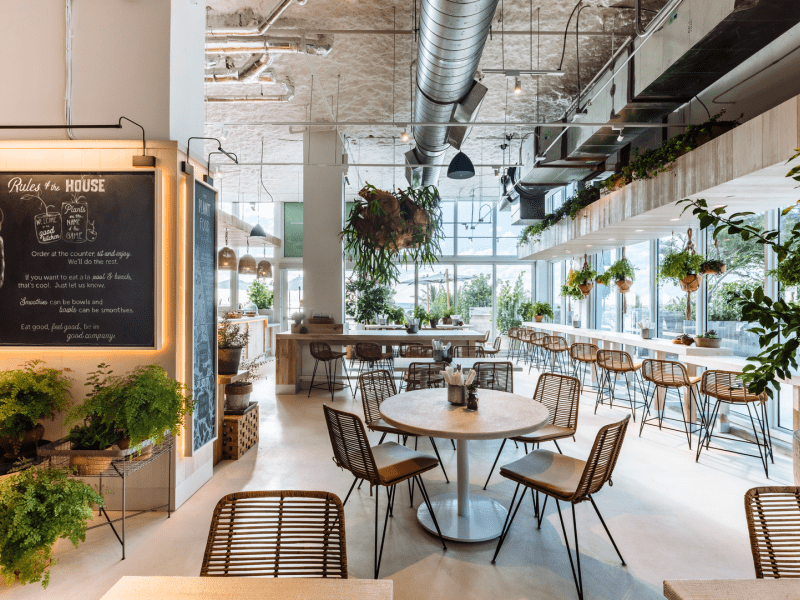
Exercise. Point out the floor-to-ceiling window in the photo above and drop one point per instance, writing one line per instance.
(784, 417)
(513, 288)
(474, 295)
(671, 314)
(475, 228)
(638, 298)
(557, 277)
(436, 288)
(607, 295)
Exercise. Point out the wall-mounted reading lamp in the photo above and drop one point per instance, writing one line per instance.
(138, 161)
(189, 169)
(207, 177)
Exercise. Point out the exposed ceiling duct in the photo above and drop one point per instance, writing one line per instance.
(320, 46)
(251, 30)
(452, 36)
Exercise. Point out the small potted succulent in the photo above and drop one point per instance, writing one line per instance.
(542, 310)
(434, 317)
(472, 397)
(231, 339)
(447, 318)
(238, 392)
(709, 339)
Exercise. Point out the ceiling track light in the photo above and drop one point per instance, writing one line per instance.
(517, 86)
(621, 136)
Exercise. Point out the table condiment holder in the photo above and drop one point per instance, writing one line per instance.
(457, 394)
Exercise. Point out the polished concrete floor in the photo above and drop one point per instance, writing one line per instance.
(671, 518)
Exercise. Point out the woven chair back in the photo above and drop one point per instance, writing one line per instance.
(369, 351)
(665, 373)
(773, 521)
(277, 534)
(321, 350)
(376, 386)
(351, 449)
(468, 352)
(405, 347)
(537, 338)
(497, 341)
(422, 376)
(419, 352)
(555, 343)
(615, 361)
(488, 334)
(561, 395)
(495, 376)
(602, 459)
(728, 387)
(583, 352)
(512, 332)
(525, 336)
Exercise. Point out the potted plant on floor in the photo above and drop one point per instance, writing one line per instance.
(434, 317)
(38, 506)
(27, 395)
(231, 339)
(237, 393)
(709, 339)
(542, 310)
(259, 295)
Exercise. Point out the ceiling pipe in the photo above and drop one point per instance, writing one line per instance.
(288, 97)
(257, 29)
(452, 36)
(258, 71)
(322, 46)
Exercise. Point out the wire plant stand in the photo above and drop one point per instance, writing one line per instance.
(110, 463)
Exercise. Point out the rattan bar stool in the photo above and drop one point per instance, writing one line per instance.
(377, 386)
(537, 350)
(513, 342)
(370, 353)
(561, 395)
(494, 349)
(727, 387)
(382, 465)
(566, 479)
(773, 522)
(525, 345)
(468, 352)
(277, 534)
(666, 375)
(617, 362)
(584, 359)
(556, 351)
(321, 351)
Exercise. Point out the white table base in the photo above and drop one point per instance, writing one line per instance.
(461, 516)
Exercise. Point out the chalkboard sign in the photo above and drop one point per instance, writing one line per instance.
(77, 259)
(204, 315)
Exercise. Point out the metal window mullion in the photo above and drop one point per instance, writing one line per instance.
(702, 295)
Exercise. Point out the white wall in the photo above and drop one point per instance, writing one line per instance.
(123, 57)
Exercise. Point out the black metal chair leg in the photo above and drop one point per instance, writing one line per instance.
(506, 524)
(575, 576)
(454, 444)
(379, 556)
(351, 490)
(430, 508)
(613, 543)
(313, 375)
(541, 513)
(557, 447)
(439, 458)
(494, 464)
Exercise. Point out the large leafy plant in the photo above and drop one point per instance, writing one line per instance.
(387, 229)
(572, 291)
(37, 507)
(146, 403)
(619, 271)
(259, 295)
(28, 394)
(365, 300)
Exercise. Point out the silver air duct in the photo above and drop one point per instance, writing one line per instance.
(452, 36)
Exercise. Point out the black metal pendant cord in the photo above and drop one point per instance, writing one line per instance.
(138, 161)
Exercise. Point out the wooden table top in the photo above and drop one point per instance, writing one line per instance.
(732, 589)
(402, 364)
(499, 415)
(248, 588)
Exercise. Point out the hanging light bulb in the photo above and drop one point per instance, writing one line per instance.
(247, 264)
(517, 85)
(226, 258)
(404, 136)
(497, 171)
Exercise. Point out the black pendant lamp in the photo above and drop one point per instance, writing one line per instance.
(460, 167)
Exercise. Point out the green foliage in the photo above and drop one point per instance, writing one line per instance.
(448, 312)
(775, 322)
(476, 292)
(365, 299)
(509, 299)
(37, 507)
(419, 313)
(542, 309)
(397, 314)
(712, 265)
(525, 311)
(710, 334)
(434, 315)
(232, 335)
(643, 165)
(585, 275)
(94, 434)
(677, 304)
(378, 259)
(571, 291)
(28, 394)
(144, 404)
(619, 271)
(677, 265)
(724, 305)
(260, 295)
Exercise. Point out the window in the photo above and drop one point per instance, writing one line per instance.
(557, 277)
(474, 295)
(637, 300)
(607, 295)
(474, 229)
(436, 287)
(791, 293)
(507, 234)
(448, 244)
(292, 292)
(671, 299)
(293, 229)
(513, 288)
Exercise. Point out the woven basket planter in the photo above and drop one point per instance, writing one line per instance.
(691, 283)
(702, 342)
(585, 288)
(89, 463)
(624, 285)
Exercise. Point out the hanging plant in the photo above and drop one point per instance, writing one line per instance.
(571, 291)
(585, 277)
(620, 272)
(684, 268)
(714, 266)
(386, 229)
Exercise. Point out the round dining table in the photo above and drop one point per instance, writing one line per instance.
(462, 516)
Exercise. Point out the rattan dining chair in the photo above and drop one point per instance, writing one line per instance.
(468, 352)
(425, 375)
(384, 465)
(561, 395)
(370, 354)
(403, 349)
(612, 364)
(277, 534)
(494, 376)
(377, 386)
(773, 522)
(726, 387)
(566, 479)
(495, 348)
(525, 345)
(665, 375)
(584, 359)
(556, 353)
(419, 351)
(321, 351)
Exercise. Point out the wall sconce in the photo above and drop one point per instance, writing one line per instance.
(189, 169)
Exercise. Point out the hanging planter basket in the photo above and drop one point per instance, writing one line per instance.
(585, 288)
(624, 285)
(712, 269)
(691, 283)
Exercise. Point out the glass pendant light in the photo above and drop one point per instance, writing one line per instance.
(226, 258)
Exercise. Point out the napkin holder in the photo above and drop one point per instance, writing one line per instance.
(646, 334)
(441, 356)
(457, 394)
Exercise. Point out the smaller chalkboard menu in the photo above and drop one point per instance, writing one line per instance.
(77, 259)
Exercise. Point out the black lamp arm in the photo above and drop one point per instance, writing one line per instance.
(144, 144)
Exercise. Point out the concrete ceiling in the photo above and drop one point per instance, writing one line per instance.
(366, 78)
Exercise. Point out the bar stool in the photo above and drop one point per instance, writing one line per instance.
(555, 348)
(321, 351)
(513, 341)
(584, 358)
(666, 375)
(525, 345)
(618, 363)
(727, 387)
(371, 354)
(537, 349)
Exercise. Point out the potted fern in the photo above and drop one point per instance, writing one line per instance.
(584, 278)
(434, 317)
(231, 339)
(237, 393)
(541, 310)
(621, 273)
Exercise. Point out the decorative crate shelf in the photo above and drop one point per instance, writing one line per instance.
(239, 432)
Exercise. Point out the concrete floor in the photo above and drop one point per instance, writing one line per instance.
(671, 518)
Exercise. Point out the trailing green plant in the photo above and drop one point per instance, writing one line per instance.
(365, 300)
(584, 275)
(679, 265)
(643, 165)
(387, 229)
(712, 265)
(259, 295)
(29, 394)
(37, 507)
(146, 403)
(619, 271)
(571, 291)
(775, 322)
(95, 433)
(542, 309)
(525, 311)
(231, 335)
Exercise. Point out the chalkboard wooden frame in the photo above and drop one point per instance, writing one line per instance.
(206, 402)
